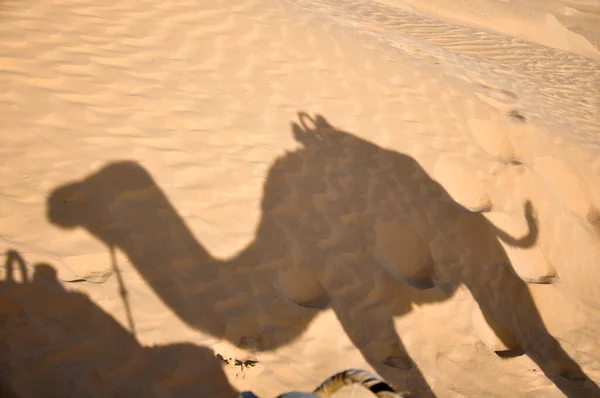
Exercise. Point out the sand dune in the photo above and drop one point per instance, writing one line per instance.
(202, 198)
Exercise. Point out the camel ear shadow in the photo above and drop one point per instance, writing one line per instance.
(300, 135)
(304, 118)
(321, 122)
(307, 137)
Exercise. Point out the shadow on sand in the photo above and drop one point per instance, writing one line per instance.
(339, 216)
(58, 343)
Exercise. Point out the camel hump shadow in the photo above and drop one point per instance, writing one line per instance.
(339, 216)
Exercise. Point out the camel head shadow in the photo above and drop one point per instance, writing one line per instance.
(340, 215)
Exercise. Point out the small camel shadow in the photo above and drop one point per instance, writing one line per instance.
(339, 215)
(58, 343)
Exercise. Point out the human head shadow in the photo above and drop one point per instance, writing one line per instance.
(326, 209)
(58, 343)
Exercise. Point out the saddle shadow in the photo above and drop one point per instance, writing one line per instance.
(340, 215)
(58, 343)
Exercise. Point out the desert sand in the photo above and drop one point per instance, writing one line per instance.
(199, 198)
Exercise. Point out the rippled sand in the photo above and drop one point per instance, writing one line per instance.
(200, 198)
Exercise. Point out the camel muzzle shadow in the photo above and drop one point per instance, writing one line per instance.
(339, 215)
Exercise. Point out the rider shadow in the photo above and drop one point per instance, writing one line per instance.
(339, 216)
(58, 343)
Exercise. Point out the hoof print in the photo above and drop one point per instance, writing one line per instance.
(398, 362)
(493, 334)
(302, 286)
(462, 185)
(492, 138)
(402, 252)
(566, 186)
(516, 116)
(530, 263)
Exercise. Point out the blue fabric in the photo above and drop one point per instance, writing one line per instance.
(293, 394)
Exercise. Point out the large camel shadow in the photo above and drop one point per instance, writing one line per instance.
(339, 216)
(58, 343)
